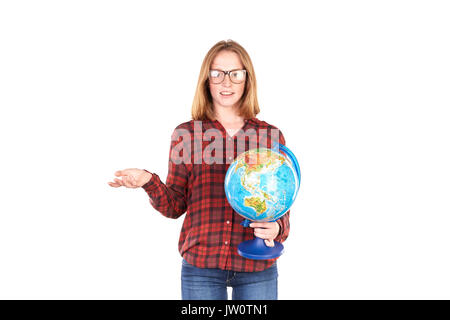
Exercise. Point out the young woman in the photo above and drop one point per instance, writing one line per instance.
(226, 104)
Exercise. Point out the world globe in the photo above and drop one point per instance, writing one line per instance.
(261, 185)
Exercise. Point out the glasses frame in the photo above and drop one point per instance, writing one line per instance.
(225, 73)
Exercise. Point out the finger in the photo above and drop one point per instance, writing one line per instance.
(118, 173)
(118, 181)
(255, 225)
(113, 184)
(261, 235)
(262, 231)
(264, 234)
(259, 225)
(269, 243)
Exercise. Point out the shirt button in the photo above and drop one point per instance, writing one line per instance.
(230, 158)
(226, 242)
(228, 221)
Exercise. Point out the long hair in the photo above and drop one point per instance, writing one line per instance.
(202, 106)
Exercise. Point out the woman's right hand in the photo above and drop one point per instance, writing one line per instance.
(131, 178)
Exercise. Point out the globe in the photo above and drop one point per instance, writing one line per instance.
(261, 185)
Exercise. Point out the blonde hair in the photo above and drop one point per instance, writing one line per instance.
(202, 106)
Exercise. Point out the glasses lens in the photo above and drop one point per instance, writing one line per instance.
(237, 76)
(216, 76)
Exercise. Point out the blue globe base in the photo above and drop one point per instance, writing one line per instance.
(257, 250)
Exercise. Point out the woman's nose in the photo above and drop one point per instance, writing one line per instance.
(227, 80)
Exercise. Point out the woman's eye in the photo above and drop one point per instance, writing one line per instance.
(237, 75)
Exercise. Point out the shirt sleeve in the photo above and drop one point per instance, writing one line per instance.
(283, 222)
(169, 198)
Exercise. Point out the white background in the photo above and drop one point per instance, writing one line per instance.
(360, 90)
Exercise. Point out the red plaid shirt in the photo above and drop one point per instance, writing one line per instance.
(211, 230)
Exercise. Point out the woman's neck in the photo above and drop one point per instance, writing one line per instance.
(227, 115)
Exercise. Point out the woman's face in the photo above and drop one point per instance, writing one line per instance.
(225, 61)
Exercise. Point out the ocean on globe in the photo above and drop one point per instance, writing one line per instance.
(261, 184)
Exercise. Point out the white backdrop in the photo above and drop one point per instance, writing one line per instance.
(360, 90)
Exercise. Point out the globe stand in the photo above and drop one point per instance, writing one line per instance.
(257, 249)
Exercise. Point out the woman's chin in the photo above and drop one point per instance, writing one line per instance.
(227, 103)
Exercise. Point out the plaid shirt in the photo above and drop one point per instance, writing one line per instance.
(211, 230)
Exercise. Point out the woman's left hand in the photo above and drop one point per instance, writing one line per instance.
(267, 231)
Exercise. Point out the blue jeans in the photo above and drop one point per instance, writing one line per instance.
(211, 284)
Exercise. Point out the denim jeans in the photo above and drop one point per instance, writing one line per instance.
(211, 284)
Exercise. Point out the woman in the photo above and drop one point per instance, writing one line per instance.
(225, 106)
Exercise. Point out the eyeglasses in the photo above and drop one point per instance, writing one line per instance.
(236, 76)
